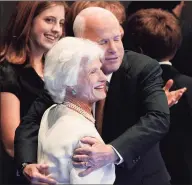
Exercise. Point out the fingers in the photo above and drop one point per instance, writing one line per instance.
(34, 173)
(174, 96)
(38, 178)
(81, 165)
(81, 161)
(43, 168)
(80, 158)
(168, 85)
(179, 93)
(89, 140)
(86, 172)
(172, 102)
(83, 151)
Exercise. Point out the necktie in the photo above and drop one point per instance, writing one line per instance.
(99, 111)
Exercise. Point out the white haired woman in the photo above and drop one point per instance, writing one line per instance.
(74, 79)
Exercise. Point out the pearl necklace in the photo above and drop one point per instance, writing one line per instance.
(79, 110)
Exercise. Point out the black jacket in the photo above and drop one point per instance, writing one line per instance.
(136, 118)
(176, 146)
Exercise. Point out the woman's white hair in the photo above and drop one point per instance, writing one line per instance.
(62, 64)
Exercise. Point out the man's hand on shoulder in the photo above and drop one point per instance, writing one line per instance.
(94, 156)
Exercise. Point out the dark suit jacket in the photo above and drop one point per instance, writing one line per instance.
(176, 146)
(26, 135)
(136, 118)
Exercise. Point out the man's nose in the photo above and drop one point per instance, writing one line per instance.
(112, 47)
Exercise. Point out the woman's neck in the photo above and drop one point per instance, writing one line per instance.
(36, 61)
(80, 107)
(87, 107)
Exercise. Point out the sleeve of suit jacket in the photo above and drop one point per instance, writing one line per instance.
(154, 122)
(26, 135)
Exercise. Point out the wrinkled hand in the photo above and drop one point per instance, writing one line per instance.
(94, 156)
(35, 174)
(173, 96)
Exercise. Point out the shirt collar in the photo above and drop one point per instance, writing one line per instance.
(166, 62)
(109, 77)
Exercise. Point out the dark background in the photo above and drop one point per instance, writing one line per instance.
(6, 8)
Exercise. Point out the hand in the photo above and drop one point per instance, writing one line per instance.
(94, 156)
(173, 96)
(35, 174)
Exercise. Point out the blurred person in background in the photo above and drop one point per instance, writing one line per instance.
(156, 33)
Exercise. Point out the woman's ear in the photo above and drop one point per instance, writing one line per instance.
(71, 90)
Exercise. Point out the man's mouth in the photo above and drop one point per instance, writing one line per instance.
(111, 58)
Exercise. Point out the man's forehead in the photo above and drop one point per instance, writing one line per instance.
(103, 31)
(101, 21)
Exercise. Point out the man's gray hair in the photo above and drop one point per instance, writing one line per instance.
(79, 24)
(62, 64)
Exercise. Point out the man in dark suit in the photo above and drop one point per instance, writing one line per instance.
(140, 77)
(164, 31)
(136, 115)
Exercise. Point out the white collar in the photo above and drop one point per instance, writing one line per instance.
(166, 62)
(109, 77)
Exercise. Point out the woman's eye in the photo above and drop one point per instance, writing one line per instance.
(93, 71)
(49, 20)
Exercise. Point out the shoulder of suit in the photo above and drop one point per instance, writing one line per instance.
(136, 61)
(133, 55)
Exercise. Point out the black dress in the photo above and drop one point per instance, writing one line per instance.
(26, 85)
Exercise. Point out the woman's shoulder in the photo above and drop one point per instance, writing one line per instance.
(9, 77)
(9, 71)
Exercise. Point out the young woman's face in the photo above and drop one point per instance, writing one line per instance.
(92, 82)
(47, 28)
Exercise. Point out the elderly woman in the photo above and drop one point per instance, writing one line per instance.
(74, 79)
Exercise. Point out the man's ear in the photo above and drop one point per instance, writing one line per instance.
(121, 31)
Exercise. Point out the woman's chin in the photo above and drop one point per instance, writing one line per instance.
(101, 97)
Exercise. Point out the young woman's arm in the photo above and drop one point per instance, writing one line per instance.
(9, 119)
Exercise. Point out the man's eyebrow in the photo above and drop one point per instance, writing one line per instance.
(117, 35)
(103, 39)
